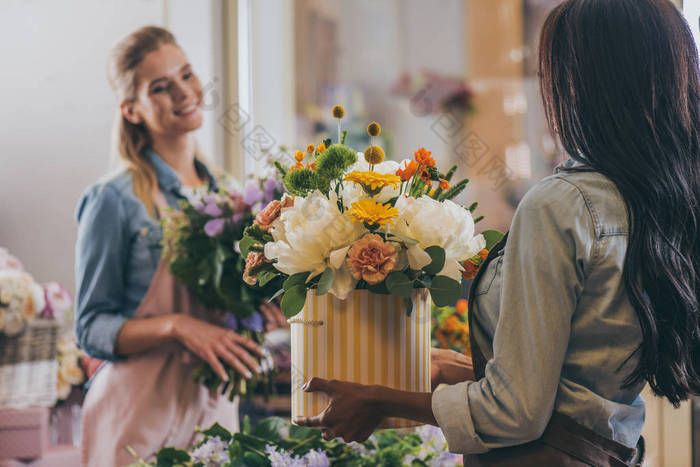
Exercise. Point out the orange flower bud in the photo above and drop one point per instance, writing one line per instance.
(444, 184)
(299, 156)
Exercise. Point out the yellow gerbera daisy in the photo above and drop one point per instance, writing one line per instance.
(370, 212)
(373, 180)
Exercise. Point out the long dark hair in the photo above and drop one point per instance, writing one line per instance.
(619, 82)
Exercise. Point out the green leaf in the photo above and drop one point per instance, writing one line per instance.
(266, 276)
(218, 430)
(293, 300)
(403, 238)
(245, 244)
(295, 279)
(492, 237)
(275, 295)
(302, 432)
(270, 429)
(249, 459)
(325, 282)
(168, 457)
(246, 425)
(437, 255)
(445, 291)
(399, 284)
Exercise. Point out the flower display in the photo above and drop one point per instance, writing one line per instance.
(276, 443)
(450, 327)
(359, 221)
(70, 371)
(202, 250)
(21, 300)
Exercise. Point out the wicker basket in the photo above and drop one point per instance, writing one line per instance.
(28, 366)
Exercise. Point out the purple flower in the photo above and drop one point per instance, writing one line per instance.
(252, 194)
(231, 322)
(270, 189)
(253, 322)
(214, 227)
(317, 458)
(212, 209)
(212, 453)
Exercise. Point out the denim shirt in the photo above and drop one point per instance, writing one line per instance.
(552, 318)
(117, 253)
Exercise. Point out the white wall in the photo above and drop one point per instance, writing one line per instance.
(57, 111)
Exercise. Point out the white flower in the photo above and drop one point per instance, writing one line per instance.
(353, 192)
(312, 235)
(22, 299)
(445, 224)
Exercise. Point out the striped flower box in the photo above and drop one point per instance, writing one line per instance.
(367, 338)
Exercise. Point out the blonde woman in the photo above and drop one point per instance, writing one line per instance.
(130, 310)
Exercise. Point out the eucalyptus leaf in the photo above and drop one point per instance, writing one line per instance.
(492, 238)
(399, 284)
(437, 256)
(265, 276)
(445, 291)
(325, 282)
(295, 279)
(293, 300)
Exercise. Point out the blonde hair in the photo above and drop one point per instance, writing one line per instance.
(130, 140)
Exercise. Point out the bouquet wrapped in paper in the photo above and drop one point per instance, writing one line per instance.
(201, 247)
(364, 246)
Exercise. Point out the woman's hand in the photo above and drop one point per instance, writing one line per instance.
(351, 414)
(449, 367)
(212, 343)
(274, 318)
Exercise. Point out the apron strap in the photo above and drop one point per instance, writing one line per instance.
(478, 359)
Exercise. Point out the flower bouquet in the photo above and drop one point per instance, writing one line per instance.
(363, 246)
(201, 247)
(33, 318)
(276, 443)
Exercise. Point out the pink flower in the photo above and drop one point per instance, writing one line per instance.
(272, 211)
(254, 259)
(371, 258)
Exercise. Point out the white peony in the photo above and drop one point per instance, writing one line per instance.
(353, 192)
(445, 224)
(312, 235)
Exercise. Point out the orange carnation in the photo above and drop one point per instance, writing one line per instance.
(371, 258)
(423, 158)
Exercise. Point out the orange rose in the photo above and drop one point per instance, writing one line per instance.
(371, 258)
(423, 158)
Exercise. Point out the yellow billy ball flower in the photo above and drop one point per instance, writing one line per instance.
(338, 112)
(299, 156)
(374, 129)
(374, 155)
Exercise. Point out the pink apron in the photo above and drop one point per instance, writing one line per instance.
(149, 401)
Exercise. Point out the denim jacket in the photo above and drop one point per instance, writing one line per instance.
(552, 318)
(117, 253)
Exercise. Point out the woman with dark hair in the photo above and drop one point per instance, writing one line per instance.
(595, 290)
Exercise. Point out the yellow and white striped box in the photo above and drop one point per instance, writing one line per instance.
(367, 338)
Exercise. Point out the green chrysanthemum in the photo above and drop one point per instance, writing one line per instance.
(332, 162)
